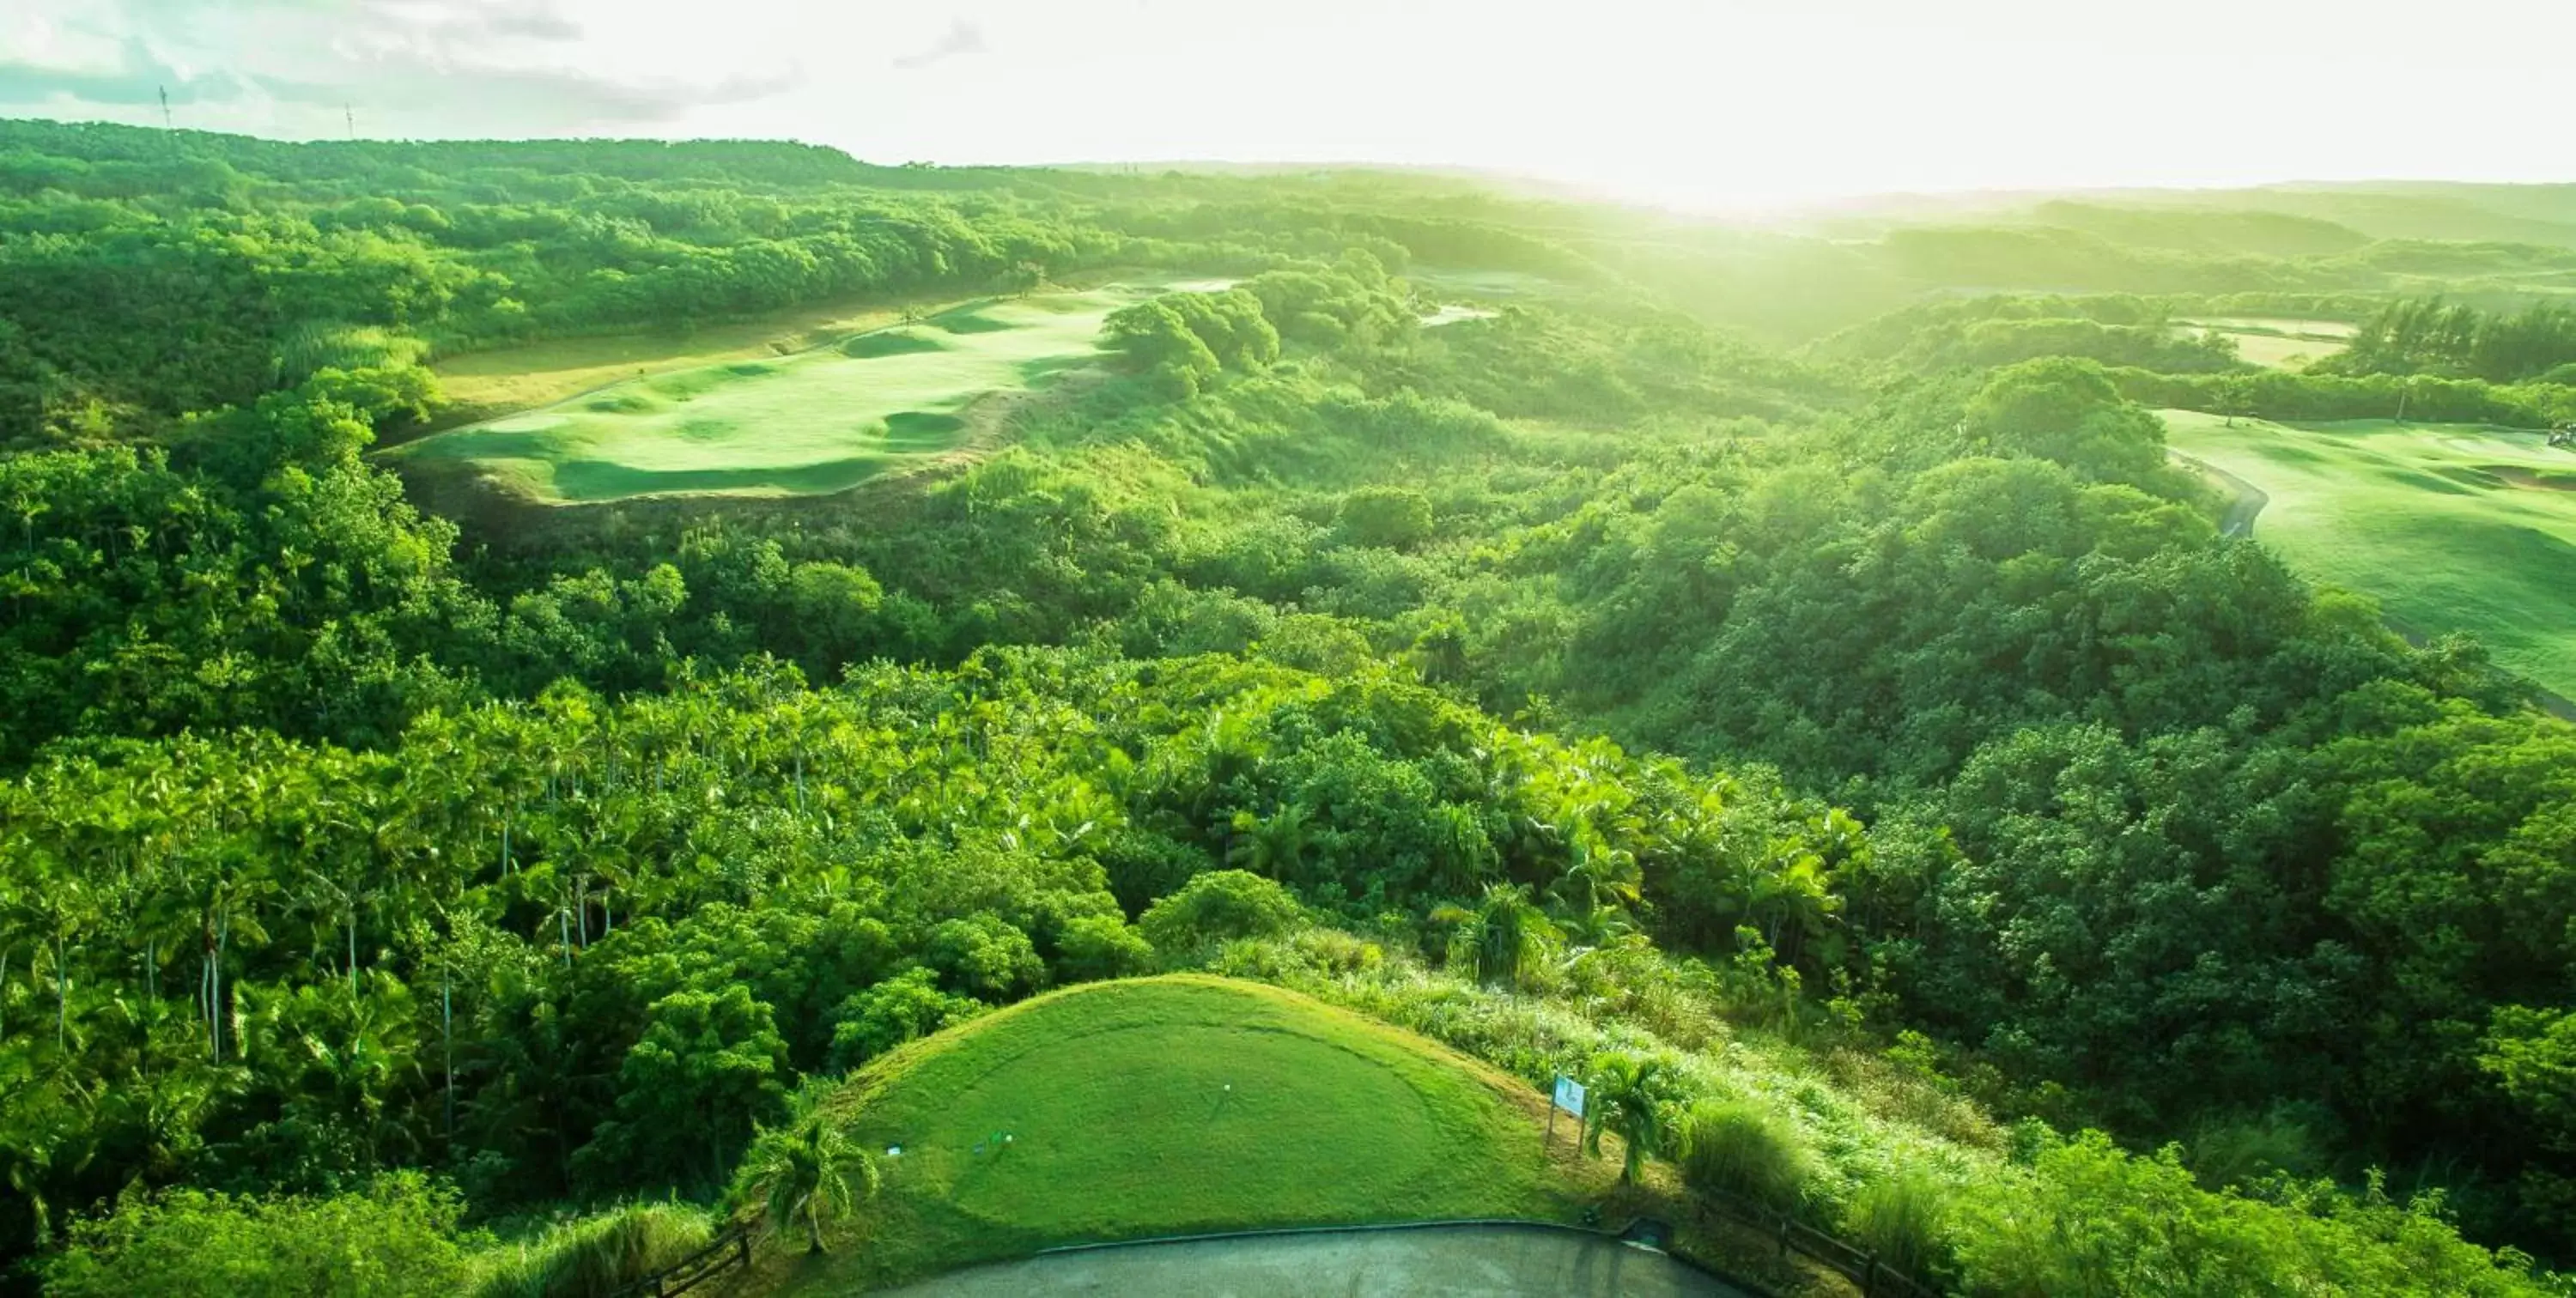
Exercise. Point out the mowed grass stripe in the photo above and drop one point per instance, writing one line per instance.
(1180, 1105)
(2450, 527)
(817, 421)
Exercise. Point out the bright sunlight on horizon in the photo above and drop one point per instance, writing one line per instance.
(1696, 104)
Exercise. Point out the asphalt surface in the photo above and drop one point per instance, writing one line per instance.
(1426, 1262)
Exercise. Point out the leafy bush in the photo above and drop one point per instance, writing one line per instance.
(1218, 907)
(900, 1009)
(2093, 1219)
(596, 1256)
(1100, 946)
(1749, 1150)
(1904, 1219)
(1389, 517)
(395, 1238)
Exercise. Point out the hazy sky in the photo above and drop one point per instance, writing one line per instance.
(1712, 102)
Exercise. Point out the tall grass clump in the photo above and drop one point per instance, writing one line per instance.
(1905, 1219)
(317, 345)
(1749, 1150)
(595, 1256)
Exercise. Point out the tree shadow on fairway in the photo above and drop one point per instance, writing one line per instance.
(970, 322)
(913, 431)
(2284, 453)
(581, 480)
(889, 342)
(488, 444)
(2422, 482)
(1044, 370)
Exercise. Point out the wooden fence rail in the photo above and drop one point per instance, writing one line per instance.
(1876, 1278)
(724, 1253)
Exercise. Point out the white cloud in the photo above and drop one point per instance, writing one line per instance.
(1683, 100)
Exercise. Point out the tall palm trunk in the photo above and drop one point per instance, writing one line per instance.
(447, 1039)
(223, 940)
(62, 994)
(206, 1000)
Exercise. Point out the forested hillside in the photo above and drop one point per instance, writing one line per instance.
(1879, 737)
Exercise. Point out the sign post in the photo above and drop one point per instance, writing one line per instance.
(1568, 1098)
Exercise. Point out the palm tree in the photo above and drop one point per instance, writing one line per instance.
(1503, 936)
(52, 916)
(1272, 848)
(1597, 875)
(806, 1170)
(1632, 1097)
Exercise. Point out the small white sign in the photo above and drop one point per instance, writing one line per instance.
(1569, 1095)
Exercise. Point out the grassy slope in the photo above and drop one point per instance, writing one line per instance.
(2451, 527)
(1115, 1096)
(814, 421)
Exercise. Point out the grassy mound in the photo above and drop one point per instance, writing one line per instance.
(2450, 527)
(1171, 1105)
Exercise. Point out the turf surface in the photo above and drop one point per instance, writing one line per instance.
(819, 420)
(2450, 527)
(1184, 1104)
(499, 380)
(2279, 344)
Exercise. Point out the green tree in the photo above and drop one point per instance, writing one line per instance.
(709, 1066)
(1503, 937)
(1220, 906)
(805, 1170)
(1631, 1098)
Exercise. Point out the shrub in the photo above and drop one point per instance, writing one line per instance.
(895, 1011)
(1905, 1219)
(1100, 946)
(1218, 907)
(593, 1257)
(395, 1238)
(1392, 517)
(1749, 1150)
(2240, 1151)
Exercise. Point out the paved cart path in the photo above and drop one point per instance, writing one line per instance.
(1441, 1261)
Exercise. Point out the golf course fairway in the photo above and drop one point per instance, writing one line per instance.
(812, 422)
(1162, 1106)
(2451, 527)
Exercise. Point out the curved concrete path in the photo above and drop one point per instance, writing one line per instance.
(1422, 1262)
(2245, 500)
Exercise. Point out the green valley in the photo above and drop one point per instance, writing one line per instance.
(583, 715)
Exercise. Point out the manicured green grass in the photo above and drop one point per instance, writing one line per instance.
(521, 377)
(1119, 1122)
(813, 421)
(2279, 344)
(2450, 527)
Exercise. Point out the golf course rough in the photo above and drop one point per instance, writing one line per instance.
(820, 420)
(1177, 1105)
(2450, 527)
